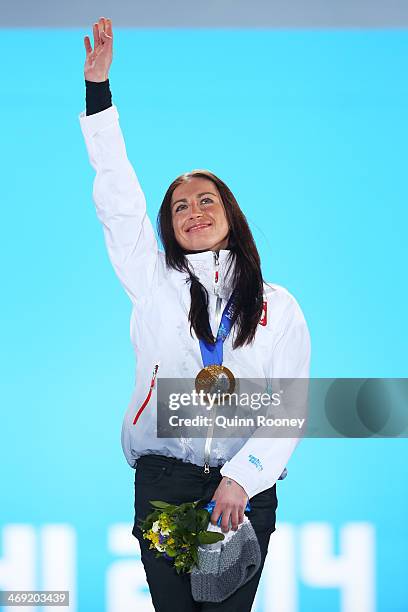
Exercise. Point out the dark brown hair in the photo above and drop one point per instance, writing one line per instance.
(247, 278)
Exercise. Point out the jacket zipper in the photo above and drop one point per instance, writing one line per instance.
(210, 431)
(148, 396)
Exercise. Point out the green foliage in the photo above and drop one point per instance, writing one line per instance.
(210, 537)
(203, 518)
(161, 504)
(185, 530)
(147, 523)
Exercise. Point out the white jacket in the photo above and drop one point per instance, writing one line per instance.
(160, 331)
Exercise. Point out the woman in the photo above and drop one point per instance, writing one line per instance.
(179, 297)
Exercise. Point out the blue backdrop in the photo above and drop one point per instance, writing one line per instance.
(309, 129)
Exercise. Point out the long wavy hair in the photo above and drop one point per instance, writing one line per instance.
(247, 278)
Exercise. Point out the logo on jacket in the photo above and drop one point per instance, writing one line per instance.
(257, 462)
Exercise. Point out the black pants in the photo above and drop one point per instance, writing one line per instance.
(174, 481)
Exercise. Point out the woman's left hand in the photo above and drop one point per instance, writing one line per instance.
(231, 500)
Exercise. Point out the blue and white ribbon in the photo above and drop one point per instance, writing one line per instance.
(211, 505)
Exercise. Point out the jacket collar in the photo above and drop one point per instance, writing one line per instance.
(204, 266)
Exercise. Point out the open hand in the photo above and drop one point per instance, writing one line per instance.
(99, 59)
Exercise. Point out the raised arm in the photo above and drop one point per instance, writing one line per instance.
(120, 202)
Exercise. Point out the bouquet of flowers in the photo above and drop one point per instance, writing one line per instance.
(176, 532)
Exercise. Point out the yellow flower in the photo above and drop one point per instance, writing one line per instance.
(164, 521)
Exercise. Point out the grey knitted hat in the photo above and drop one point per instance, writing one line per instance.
(225, 566)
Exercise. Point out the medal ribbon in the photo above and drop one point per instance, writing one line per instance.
(212, 354)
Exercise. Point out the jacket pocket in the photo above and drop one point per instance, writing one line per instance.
(148, 396)
(147, 474)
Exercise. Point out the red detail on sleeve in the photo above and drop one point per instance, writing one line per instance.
(264, 313)
(216, 276)
(143, 406)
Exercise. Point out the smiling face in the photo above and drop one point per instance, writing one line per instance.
(198, 216)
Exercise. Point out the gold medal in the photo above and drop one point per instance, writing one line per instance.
(215, 379)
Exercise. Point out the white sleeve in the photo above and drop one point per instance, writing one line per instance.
(261, 460)
(120, 204)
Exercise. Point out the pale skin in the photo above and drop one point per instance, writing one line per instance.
(199, 224)
(198, 216)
